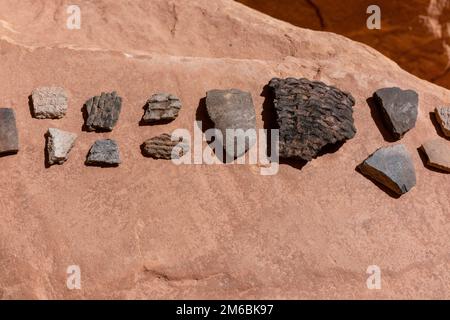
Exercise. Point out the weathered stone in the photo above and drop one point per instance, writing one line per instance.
(59, 144)
(233, 109)
(438, 154)
(103, 111)
(49, 102)
(310, 116)
(9, 137)
(443, 117)
(162, 147)
(399, 109)
(161, 107)
(104, 153)
(392, 167)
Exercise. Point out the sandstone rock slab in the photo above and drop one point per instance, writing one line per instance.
(310, 116)
(104, 153)
(59, 144)
(443, 118)
(161, 107)
(392, 167)
(233, 109)
(9, 137)
(163, 147)
(162, 230)
(103, 111)
(399, 109)
(438, 154)
(49, 102)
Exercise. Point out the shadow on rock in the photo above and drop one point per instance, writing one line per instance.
(30, 106)
(202, 116)
(378, 119)
(269, 117)
(437, 126)
(46, 155)
(381, 186)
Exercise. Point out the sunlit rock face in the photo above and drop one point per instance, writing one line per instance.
(415, 34)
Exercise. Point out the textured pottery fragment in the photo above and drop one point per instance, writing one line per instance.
(399, 109)
(161, 107)
(59, 144)
(310, 116)
(49, 102)
(392, 167)
(163, 147)
(233, 109)
(104, 153)
(438, 154)
(103, 112)
(9, 137)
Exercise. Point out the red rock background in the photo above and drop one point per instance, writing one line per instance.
(415, 34)
(149, 229)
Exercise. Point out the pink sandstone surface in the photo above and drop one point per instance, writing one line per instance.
(152, 230)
